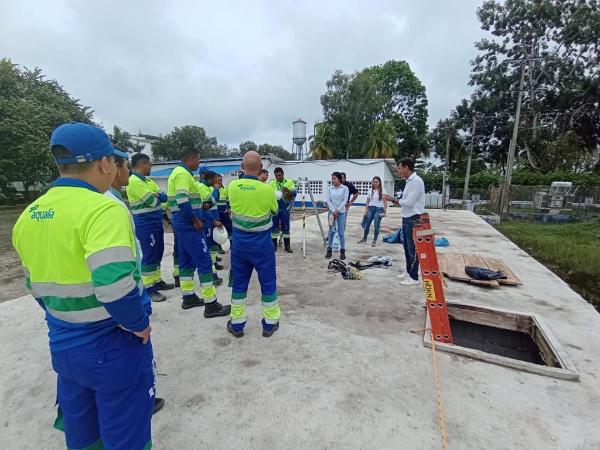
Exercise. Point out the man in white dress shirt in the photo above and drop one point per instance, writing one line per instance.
(412, 205)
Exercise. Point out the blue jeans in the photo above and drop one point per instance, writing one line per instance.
(410, 252)
(373, 213)
(341, 228)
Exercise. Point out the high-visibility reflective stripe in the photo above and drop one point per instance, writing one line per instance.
(136, 212)
(182, 191)
(42, 289)
(239, 320)
(113, 272)
(109, 255)
(265, 227)
(115, 291)
(71, 303)
(182, 200)
(238, 301)
(271, 314)
(271, 321)
(87, 315)
(269, 304)
(251, 219)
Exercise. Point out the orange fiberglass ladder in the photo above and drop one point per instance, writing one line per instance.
(432, 280)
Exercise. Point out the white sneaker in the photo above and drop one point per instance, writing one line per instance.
(402, 276)
(408, 281)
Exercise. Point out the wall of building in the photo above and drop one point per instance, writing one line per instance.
(316, 174)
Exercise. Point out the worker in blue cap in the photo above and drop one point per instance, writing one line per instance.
(78, 253)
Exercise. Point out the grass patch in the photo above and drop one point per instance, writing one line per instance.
(572, 250)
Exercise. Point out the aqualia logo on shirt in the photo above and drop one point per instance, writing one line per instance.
(38, 215)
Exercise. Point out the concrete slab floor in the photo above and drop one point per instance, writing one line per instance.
(343, 371)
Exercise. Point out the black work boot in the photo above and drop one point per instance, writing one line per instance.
(191, 301)
(328, 254)
(274, 244)
(287, 245)
(219, 266)
(215, 309)
(177, 282)
(157, 297)
(342, 254)
(218, 258)
(237, 334)
(268, 331)
(216, 280)
(158, 404)
(162, 286)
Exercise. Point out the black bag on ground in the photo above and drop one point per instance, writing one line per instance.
(481, 273)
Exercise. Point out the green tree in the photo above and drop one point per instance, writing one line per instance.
(248, 146)
(555, 42)
(30, 108)
(275, 150)
(391, 92)
(381, 141)
(170, 146)
(122, 140)
(321, 145)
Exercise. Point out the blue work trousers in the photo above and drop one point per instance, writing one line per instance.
(281, 224)
(106, 392)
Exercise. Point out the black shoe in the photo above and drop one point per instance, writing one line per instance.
(177, 283)
(287, 245)
(158, 404)
(215, 309)
(221, 251)
(191, 301)
(162, 286)
(216, 280)
(274, 244)
(218, 266)
(237, 334)
(157, 297)
(274, 328)
(328, 254)
(342, 254)
(218, 259)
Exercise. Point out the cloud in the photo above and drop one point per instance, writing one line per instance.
(242, 70)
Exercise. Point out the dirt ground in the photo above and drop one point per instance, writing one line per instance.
(11, 275)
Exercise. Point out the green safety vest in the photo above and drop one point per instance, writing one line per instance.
(252, 204)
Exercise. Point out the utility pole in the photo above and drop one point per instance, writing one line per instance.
(468, 175)
(505, 199)
(445, 175)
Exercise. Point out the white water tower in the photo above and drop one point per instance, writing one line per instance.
(299, 139)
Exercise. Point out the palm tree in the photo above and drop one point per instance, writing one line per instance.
(381, 141)
(320, 147)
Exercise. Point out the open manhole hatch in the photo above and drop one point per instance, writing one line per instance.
(518, 340)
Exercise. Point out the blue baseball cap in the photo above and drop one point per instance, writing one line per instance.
(84, 142)
(120, 153)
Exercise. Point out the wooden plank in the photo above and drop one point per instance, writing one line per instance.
(497, 264)
(454, 268)
(566, 372)
(493, 318)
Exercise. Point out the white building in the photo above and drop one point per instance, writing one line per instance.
(316, 174)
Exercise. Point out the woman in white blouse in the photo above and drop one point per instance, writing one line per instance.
(375, 210)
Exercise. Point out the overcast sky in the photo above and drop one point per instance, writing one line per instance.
(242, 70)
